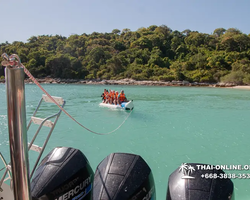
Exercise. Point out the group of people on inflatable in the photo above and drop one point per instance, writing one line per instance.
(113, 97)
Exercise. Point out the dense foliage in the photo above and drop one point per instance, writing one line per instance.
(153, 53)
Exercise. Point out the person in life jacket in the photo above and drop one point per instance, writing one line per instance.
(121, 97)
(116, 98)
(111, 96)
(108, 96)
(104, 96)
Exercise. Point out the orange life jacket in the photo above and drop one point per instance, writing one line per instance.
(109, 95)
(112, 95)
(122, 97)
(104, 95)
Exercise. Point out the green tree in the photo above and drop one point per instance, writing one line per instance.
(219, 32)
(116, 31)
(150, 53)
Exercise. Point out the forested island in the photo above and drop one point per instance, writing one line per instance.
(155, 53)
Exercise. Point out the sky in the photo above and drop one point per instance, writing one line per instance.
(21, 19)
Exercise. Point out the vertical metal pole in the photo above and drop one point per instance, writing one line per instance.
(18, 132)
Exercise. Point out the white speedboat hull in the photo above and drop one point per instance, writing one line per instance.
(126, 105)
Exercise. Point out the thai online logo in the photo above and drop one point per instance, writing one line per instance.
(187, 170)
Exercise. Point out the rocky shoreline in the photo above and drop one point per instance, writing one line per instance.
(126, 82)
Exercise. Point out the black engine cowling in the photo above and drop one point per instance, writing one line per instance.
(122, 176)
(193, 183)
(63, 174)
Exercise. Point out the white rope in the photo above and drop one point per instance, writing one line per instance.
(38, 84)
(10, 61)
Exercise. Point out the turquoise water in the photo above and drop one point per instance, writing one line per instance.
(169, 126)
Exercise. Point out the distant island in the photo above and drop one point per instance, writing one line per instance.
(152, 55)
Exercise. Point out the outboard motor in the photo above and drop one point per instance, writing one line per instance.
(191, 182)
(64, 173)
(122, 176)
